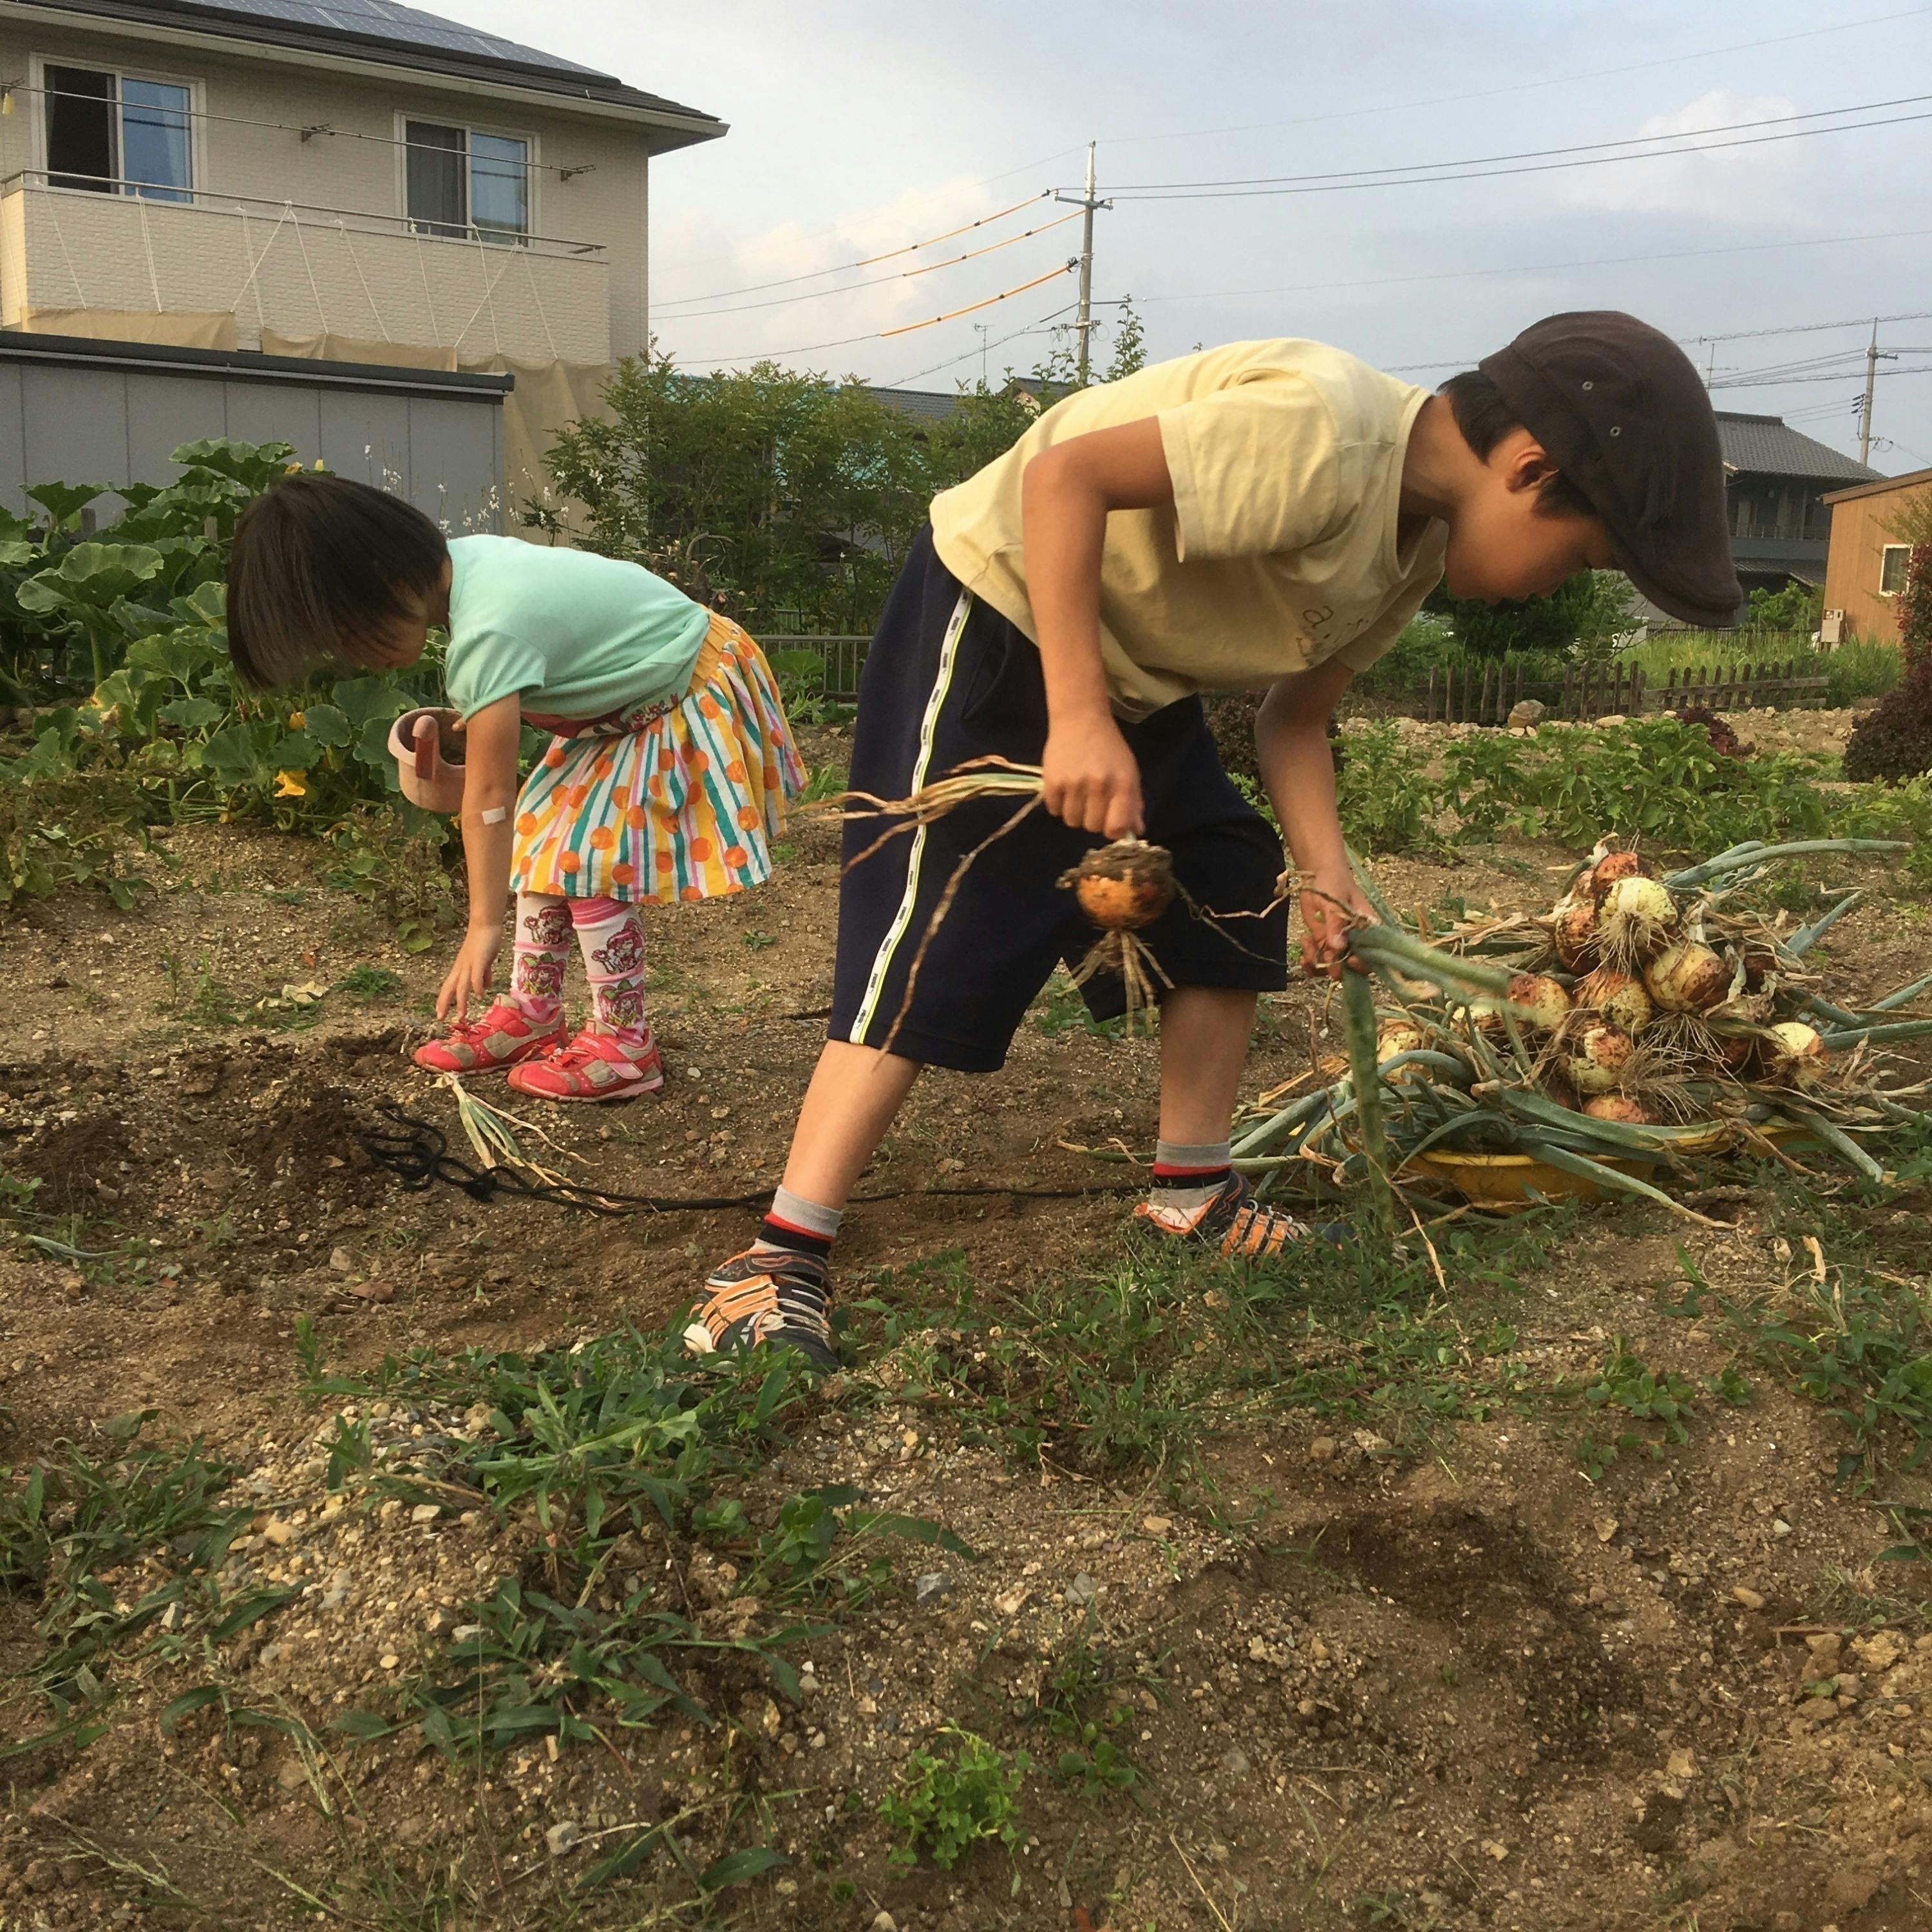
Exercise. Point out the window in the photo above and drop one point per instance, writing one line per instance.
(117, 134)
(1891, 568)
(461, 182)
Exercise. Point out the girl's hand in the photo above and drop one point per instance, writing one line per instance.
(471, 973)
(1330, 903)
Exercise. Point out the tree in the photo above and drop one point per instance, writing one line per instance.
(761, 492)
(1586, 611)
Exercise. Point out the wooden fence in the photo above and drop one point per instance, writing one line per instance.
(1487, 693)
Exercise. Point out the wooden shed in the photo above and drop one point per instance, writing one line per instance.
(1865, 567)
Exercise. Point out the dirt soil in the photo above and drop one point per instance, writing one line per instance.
(1469, 1688)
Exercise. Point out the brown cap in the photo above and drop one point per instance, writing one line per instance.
(1621, 410)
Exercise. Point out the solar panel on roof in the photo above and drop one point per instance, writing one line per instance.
(407, 26)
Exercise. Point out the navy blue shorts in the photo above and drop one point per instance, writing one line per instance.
(949, 679)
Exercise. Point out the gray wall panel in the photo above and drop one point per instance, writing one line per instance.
(452, 450)
(112, 425)
(12, 465)
(76, 427)
(164, 411)
(367, 437)
(275, 412)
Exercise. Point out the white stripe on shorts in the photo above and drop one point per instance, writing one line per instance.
(948, 652)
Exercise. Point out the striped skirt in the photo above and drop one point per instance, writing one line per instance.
(670, 802)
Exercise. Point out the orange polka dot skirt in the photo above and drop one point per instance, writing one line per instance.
(672, 802)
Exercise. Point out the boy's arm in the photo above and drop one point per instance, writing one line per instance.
(1091, 779)
(491, 741)
(1292, 748)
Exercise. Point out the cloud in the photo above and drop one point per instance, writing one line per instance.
(1750, 182)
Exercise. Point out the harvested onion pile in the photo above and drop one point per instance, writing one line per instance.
(1641, 1019)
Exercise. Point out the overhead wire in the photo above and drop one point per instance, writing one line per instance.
(1514, 87)
(864, 261)
(1420, 175)
(878, 281)
(876, 334)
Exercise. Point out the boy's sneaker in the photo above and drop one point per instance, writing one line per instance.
(768, 1295)
(489, 1043)
(1233, 1222)
(593, 1066)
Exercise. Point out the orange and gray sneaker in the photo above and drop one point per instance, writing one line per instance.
(767, 1295)
(593, 1066)
(490, 1042)
(1233, 1222)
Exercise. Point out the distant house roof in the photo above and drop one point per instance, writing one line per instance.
(1766, 446)
(929, 405)
(381, 30)
(1913, 479)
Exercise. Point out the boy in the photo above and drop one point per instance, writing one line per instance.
(1269, 514)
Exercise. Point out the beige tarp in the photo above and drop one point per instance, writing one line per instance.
(210, 331)
(547, 397)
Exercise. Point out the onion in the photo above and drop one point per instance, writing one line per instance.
(1635, 921)
(1573, 932)
(1543, 1004)
(1620, 998)
(1126, 884)
(1688, 978)
(1796, 1054)
(1584, 885)
(1735, 1051)
(1618, 1107)
(1613, 866)
(1596, 1056)
(1398, 1036)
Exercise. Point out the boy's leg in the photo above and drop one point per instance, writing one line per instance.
(856, 1093)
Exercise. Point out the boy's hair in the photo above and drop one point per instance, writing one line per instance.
(318, 560)
(1485, 418)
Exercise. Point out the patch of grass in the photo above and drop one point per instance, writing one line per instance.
(1132, 1368)
(1060, 1009)
(1085, 1703)
(70, 1524)
(370, 983)
(621, 1451)
(1646, 1410)
(952, 1798)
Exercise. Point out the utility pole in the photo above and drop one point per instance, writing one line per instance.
(1085, 325)
(1871, 381)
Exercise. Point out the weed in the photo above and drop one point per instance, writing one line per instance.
(1062, 1008)
(370, 983)
(398, 869)
(947, 1803)
(822, 782)
(1085, 1710)
(758, 940)
(1624, 1387)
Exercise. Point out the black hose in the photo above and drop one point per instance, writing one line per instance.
(417, 1152)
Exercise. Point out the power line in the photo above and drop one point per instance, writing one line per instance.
(1693, 144)
(1546, 268)
(876, 281)
(880, 335)
(1516, 87)
(1529, 154)
(864, 261)
(1039, 328)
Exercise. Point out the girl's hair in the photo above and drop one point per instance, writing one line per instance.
(1485, 419)
(318, 562)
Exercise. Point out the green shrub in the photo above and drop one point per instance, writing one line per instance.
(947, 1805)
(1386, 799)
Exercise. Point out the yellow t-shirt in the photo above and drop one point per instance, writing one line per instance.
(1280, 550)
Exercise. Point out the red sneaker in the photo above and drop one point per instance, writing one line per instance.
(490, 1042)
(593, 1066)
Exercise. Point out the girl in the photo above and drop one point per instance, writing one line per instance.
(667, 779)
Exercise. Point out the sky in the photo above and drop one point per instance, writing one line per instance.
(858, 127)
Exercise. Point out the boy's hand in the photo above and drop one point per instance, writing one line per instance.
(470, 974)
(1091, 779)
(1330, 903)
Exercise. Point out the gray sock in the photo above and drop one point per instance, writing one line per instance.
(792, 1214)
(1189, 1175)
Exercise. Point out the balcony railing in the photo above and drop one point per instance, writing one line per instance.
(289, 269)
(359, 221)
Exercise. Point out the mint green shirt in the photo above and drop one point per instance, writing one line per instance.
(573, 634)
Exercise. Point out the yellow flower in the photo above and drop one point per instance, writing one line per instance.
(296, 719)
(289, 785)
